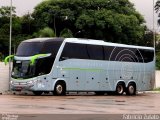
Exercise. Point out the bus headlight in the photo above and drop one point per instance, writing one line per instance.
(11, 82)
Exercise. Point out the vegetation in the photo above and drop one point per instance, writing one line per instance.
(46, 32)
(157, 89)
(110, 20)
(157, 9)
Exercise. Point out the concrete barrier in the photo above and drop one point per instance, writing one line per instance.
(4, 78)
(157, 78)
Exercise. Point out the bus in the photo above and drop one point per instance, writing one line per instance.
(60, 65)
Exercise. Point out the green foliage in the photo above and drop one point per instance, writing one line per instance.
(4, 27)
(158, 60)
(157, 89)
(46, 32)
(157, 9)
(66, 33)
(5, 11)
(19, 30)
(110, 20)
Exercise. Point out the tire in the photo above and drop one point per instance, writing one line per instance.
(59, 89)
(120, 89)
(99, 93)
(37, 93)
(131, 89)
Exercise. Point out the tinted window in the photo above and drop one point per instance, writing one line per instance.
(95, 52)
(29, 48)
(44, 65)
(51, 47)
(111, 53)
(107, 52)
(128, 54)
(74, 50)
(147, 55)
(124, 54)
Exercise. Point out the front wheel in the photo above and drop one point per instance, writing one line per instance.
(59, 89)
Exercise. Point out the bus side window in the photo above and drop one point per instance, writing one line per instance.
(147, 55)
(107, 52)
(74, 51)
(95, 52)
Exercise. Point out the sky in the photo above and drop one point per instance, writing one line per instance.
(145, 7)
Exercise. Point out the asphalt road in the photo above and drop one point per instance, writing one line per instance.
(81, 107)
(80, 104)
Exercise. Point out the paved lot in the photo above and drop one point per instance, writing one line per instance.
(143, 103)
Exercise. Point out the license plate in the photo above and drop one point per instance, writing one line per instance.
(18, 88)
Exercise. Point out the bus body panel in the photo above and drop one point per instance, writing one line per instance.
(90, 74)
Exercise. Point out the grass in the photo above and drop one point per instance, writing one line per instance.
(156, 89)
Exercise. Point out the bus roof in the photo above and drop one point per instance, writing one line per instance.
(101, 42)
(43, 39)
(86, 41)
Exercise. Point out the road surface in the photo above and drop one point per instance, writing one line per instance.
(80, 104)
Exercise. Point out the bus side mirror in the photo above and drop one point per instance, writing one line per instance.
(6, 60)
(33, 58)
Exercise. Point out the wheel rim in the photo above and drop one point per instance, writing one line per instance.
(120, 89)
(59, 89)
(131, 89)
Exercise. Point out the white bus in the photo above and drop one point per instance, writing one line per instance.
(61, 65)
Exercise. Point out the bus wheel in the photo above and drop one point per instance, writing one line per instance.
(131, 89)
(99, 92)
(59, 89)
(120, 89)
(37, 93)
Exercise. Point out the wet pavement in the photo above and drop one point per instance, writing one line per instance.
(143, 103)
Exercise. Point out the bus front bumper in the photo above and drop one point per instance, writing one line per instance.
(19, 85)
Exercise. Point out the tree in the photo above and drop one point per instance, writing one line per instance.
(46, 32)
(157, 9)
(20, 29)
(110, 20)
(28, 24)
(5, 11)
(66, 33)
(4, 27)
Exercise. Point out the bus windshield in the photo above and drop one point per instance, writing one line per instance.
(23, 69)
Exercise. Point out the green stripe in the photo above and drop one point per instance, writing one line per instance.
(84, 69)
